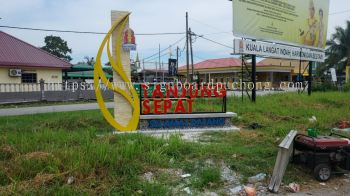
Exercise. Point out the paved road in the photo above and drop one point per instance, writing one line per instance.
(50, 109)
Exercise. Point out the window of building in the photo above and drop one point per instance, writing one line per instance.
(29, 78)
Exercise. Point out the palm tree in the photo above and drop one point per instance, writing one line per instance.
(338, 51)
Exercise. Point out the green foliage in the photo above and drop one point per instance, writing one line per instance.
(6, 152)
(154, 189)
(54, 189)
(320, 69)
(208, 177)
(324, 86)
(346, 87)
(90, 60)
(55, 45)
(178, 148)
(339, 48)
(4, 180)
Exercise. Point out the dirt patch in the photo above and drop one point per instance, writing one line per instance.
(318, 106)
(171, 172)
(43, 179)
(38, 155)
(39, 180)
(251, 135)
(187, 136)
(7, 152)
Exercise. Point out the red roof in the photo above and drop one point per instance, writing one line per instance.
(216, 63)
(15, 52)
(155, 70)
(235, 62)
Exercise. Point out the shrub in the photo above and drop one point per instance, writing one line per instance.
(323, 87)
(346, 87)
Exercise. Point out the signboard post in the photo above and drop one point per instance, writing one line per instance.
(309, 85)
(347, 74)
(254, 78)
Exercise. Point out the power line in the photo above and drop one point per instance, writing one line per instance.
(150, 60)
(81, 32)
(181, 56)
(153, 55)
(208, 25)
(218, 43)
(182, 50)
(163, 55)
(217, 33)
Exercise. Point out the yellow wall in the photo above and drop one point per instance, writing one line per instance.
(4, 77)
(49, 75)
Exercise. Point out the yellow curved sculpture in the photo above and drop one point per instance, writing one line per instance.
(100, 78)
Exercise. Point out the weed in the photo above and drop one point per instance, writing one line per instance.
(208, 177)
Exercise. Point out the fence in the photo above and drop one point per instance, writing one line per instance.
(51, 92)
(6, 88)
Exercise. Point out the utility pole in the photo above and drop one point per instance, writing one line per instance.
(158, 63)
(144, 71)
(170, 52)
(299, 78)
(187, 51)
(190, 32)
(347, 73)
(163, 70)
(156, 72)
(177, 59)
(309, 81)
(254, 78)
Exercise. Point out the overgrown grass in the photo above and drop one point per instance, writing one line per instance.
(39, 153)
(207, 177)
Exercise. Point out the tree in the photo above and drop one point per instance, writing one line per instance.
(321, 68)
(90, 60)
(55, 45)
(338, 51)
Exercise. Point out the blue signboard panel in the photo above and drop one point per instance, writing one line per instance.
(184, 123)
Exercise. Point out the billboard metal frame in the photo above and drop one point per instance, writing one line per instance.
(239, 35)
(253, 73)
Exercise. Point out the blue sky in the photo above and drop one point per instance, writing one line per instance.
(208, 17)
